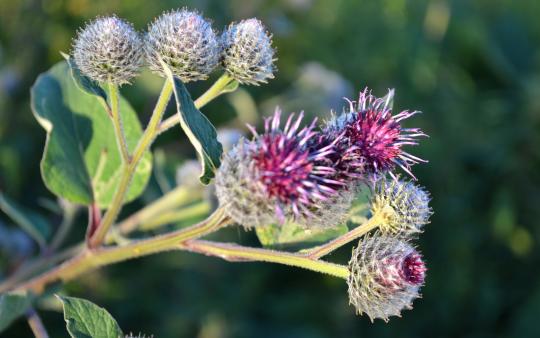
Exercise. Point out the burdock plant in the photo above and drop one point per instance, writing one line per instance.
(317, 185)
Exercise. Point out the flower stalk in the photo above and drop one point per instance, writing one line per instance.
(235, 253)
(128, 171)
(225, 84)
(117, 123)
(350, 236)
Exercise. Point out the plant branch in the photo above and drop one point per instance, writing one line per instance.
(36, 325)
(128, 171)
(39, 264)
(350, 236)
(175, 198)
(235, 253)
(225, 84)
(117, 123)
(64, 228)
(89, 260)
(174, 216)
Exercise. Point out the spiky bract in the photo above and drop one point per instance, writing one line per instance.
(372, 138)
(277, 176)
(403, 205)
(248, 56)
(108, 49)
(386, 274)
(185, 42)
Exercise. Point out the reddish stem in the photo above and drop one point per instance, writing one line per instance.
(94, 219)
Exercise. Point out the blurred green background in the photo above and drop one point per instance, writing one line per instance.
(472, 67)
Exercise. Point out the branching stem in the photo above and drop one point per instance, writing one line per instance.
(233, 252)
(350, 236)
(224, 84)
(36, 325)
(89, 260)
(129, 170)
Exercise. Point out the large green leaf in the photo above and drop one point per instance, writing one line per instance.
(12, 306)
(85, 319)
(81, 161)
(198, 128)
(34, 224)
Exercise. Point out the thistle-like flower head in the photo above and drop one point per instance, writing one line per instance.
(386, 274)
(248, 55)
(186, 42)
(108, 49)
(403, 205)
(276, 176)
(373, 138)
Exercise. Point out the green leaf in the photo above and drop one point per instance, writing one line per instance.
(85, 83)
(293, 236)
(34, 224)
(81, 161)
(12, 306)
(85, 319)
(198, 128)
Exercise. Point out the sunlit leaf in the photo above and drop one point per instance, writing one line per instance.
(81, 161)
(198, 128)
(85, 319)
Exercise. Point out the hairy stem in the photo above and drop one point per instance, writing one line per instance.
(350, 236)
(89, 260)
(117, 123)
(233, 252)
(36, 325)
(174, 216)
(175, 198)
(221, 86)
(128, 171)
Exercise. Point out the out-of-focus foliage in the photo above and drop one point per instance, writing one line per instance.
(473, 67)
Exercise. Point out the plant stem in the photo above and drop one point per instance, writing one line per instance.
(117, 123)
(196, 210)
(350, 236)
(63, 229)
(128, 171)
(89, 260)
(36, 325)
(173, 199)
(221, 86)
(39, 264)
(233, 252)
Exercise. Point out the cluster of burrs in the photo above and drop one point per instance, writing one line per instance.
(291, 172)
(311, 175)
(109, 49)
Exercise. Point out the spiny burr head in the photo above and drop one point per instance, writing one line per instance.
(108, 49)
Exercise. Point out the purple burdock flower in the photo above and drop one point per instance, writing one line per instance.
(287, 167)
(279, 175)
(386, 274)
(372, 138)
